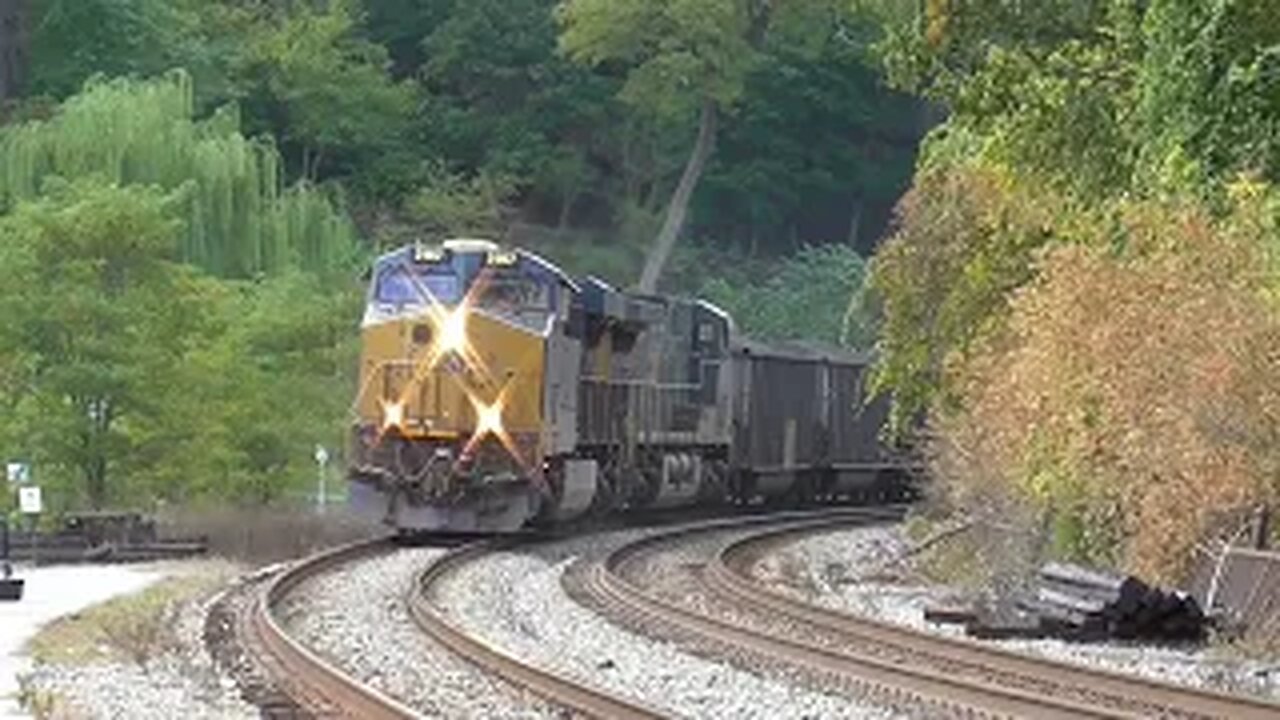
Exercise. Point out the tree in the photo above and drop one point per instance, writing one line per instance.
(100, 311)
(240, 219)
(13, 48)
(682, 58)
(805, 299)
(1209, 93)
(1131, 396)
(72, 40)
(501, 102)
(312, 81)
(818, 152)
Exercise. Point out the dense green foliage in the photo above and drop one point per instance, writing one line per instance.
(800, 300)
(130, 375)
(239, 219)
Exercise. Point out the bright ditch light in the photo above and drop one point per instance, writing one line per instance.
(392, 415)
(453, 332)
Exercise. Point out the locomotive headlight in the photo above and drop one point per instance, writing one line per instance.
(392, 415)
(453, 333)
(489, 420)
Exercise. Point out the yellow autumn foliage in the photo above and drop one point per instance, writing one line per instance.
(1133, 395)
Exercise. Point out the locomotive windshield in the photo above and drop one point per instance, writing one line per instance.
(512, 286)
(401, 286)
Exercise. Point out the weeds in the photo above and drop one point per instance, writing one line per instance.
(134, 628)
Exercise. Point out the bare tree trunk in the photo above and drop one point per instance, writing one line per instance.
(678, 207)
(855, 222)
(13, 47)
(566, 209)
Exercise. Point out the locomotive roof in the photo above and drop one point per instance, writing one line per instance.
(472, 245)
(813, 351)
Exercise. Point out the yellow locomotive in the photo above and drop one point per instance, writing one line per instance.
(495, 391)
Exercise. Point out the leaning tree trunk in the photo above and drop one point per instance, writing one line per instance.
(13, 47)
(678, 207)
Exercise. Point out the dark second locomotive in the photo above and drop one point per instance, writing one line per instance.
(496, 392)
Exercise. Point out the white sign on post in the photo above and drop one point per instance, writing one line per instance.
(18, 473)
(29, 500)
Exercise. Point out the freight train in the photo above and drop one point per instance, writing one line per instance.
(496, 392)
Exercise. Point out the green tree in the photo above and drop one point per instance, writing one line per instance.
(98, 313)
(74, 40)
(13, 48)
(1209, 92)
(501, 102)
(240, 220)
(804, 299)
(682, 58)
(819, 151)
(311, 80)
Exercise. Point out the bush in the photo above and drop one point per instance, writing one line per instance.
(1132, 395)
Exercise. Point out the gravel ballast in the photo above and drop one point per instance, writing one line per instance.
(357, 616)
(181, 681)
(825, 569)
(517, 601)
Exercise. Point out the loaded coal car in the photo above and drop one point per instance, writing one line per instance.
(803, 429)
(498, 392)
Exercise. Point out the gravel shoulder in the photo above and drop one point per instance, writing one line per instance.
(140, 654)
(826, 569)
(516, 601)
(358, 618)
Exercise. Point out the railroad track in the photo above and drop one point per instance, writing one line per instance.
(563, 691)
(316, 685)
(955, 676)
(322, 690)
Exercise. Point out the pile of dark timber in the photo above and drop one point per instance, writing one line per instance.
(1076, 603)
(10, 587)
(101, 538)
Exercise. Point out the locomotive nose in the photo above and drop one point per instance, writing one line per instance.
(469, 378)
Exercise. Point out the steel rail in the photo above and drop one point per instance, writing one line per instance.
(1111, 692)
(607, 584)
(311, 681)
(557, 689)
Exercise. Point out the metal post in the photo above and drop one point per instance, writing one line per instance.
(6, 570)
(322, 499)
(322, 463)
(1261, 527)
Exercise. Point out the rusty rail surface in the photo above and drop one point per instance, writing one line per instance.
(312, 682)
(608, 586)
(957, 675)
(557, 689)
(1102, 692)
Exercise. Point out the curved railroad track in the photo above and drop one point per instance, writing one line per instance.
(954, 676)
(316, 685)
(565, 692)
(321, 689)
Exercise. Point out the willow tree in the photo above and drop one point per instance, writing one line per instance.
(241, 220)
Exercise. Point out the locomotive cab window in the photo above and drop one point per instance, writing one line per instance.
(516, 295)
(397, 286)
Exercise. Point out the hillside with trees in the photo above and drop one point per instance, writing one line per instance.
(190, 191)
